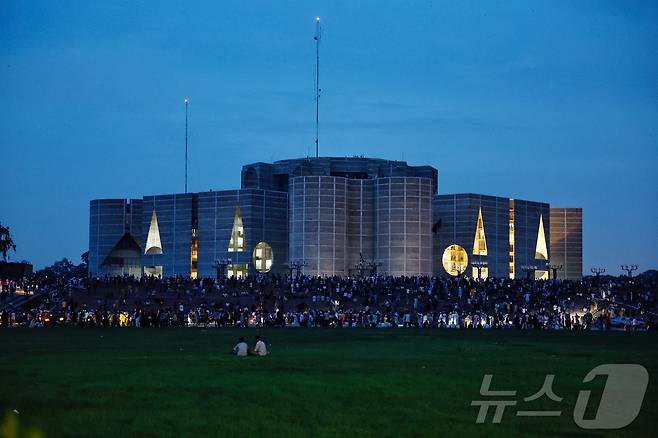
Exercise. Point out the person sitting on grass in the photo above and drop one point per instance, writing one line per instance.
(241, 348)
(260, 349)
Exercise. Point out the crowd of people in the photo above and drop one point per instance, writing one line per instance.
(11, 287)
(304, 301)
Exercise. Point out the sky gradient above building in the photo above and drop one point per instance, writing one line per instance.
(555, 102)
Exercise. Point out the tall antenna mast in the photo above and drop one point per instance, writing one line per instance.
(187, 101)
(317, 84)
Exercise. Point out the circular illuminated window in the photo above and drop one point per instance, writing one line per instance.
(263, 257)
(455, 260)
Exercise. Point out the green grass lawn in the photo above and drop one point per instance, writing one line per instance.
(317, 382)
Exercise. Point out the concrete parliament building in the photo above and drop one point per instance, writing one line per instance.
(333, 216)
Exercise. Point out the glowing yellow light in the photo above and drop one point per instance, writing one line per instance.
(237, 243)
(194, 254)
(484, 272)
(153, 243)
(238, 270)
(480, 241)
(263, 257)
(541, 250)
(455, 260)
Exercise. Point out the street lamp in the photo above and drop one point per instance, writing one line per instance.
(528, 269)
(554, 269)
(629, 269)
(296, 265)
(597, 271)
(220, 266)
(479, 265)
(364, 265)
(373, 265)
(361, 265)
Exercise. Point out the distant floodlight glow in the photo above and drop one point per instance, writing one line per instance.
(317, 18)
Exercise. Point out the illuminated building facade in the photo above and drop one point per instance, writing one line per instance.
(330, 216)
(239, 225)
(567, 242)
(497, 237)
(342, 209)
(167, 234)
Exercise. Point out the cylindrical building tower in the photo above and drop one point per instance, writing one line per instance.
(318, 223)
(403, 222)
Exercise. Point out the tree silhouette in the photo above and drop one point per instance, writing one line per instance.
(6, 242)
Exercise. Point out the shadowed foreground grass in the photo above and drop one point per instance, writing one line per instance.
(334, 382)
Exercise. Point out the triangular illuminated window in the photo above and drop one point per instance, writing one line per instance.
(153, 243)
(237, 244)
(480, 242)
(541, 252)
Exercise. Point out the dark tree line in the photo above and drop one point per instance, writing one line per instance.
(65, 269)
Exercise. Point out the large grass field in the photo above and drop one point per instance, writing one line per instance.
(316, 382)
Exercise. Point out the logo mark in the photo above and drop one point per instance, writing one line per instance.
(621, 400)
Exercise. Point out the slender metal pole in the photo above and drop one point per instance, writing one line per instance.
(317, 85)
(186, 103)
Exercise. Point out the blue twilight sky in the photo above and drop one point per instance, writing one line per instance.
(554, 101)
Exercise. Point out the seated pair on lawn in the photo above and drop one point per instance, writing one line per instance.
(242, 349)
